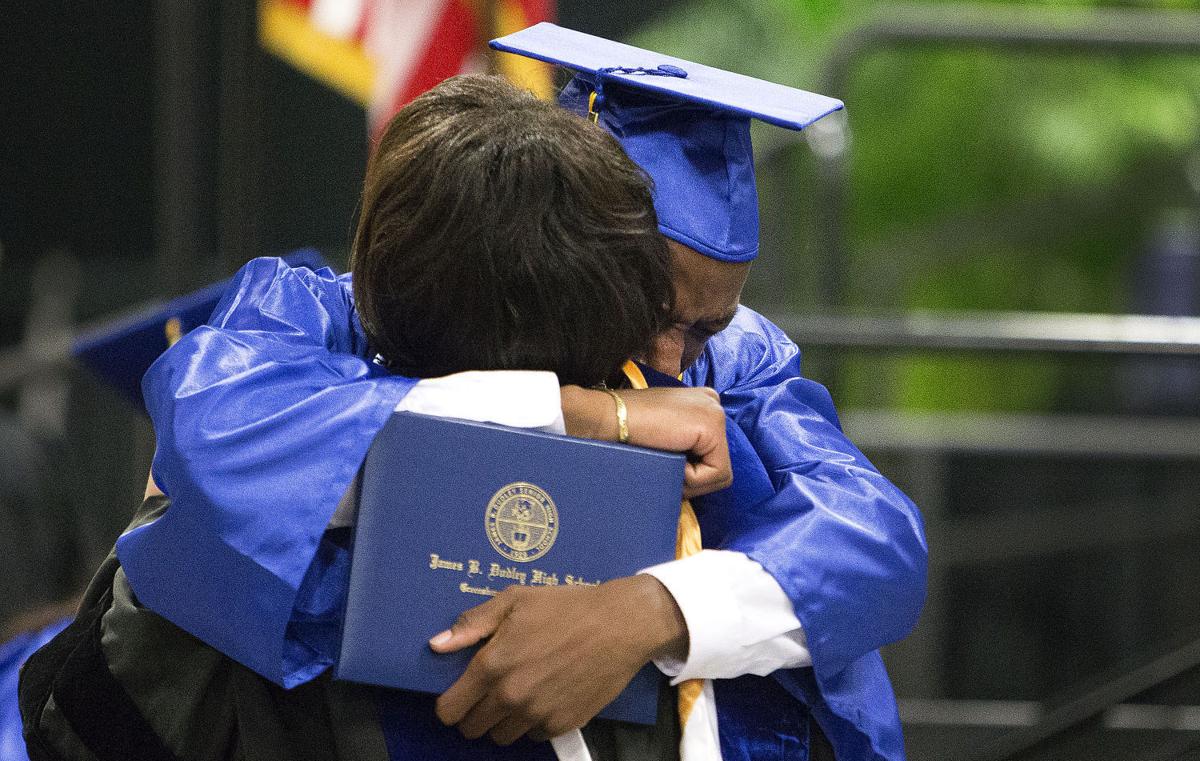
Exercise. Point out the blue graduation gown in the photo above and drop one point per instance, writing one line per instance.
(262, 419)
(264, 416)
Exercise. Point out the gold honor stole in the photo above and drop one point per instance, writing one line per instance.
(687, 542)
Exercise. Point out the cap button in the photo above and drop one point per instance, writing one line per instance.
(672, 71)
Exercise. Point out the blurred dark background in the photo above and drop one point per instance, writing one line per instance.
(957, 258)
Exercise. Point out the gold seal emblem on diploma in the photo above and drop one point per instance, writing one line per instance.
(521, 521)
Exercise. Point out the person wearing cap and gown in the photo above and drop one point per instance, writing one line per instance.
(845, 545)
(836, 552)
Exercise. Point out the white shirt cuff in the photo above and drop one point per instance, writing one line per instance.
(738, 618)
(517, 398)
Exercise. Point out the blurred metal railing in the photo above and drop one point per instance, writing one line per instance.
(30, 360)
(1040, 434)
(1014, 27)
(931, 435)
(35, 367)
(1002, 332)
(1107, 702)
(1128, 334)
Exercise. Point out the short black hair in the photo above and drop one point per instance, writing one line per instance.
(499, 231)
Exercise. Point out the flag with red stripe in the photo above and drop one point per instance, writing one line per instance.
(383, 53)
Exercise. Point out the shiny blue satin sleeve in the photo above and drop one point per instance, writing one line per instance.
(843, 542)
(262, 419)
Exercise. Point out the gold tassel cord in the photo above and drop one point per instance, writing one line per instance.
(687, 543)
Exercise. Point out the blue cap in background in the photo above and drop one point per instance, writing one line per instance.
(120, 352)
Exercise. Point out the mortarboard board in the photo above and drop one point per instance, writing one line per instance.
(120, 352)
(687, 125)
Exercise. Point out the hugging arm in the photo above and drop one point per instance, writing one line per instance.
(262, 418)
(845, 545)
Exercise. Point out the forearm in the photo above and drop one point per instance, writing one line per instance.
(253, 460)
(688, 420)
(842, 541)
(851, 558)
(588, 413)
(845, 545)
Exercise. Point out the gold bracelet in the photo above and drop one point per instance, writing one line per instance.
(622, 416)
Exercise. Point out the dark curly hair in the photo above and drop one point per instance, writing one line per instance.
(499, 231)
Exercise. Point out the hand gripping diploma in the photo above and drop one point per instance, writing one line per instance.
(554, 657)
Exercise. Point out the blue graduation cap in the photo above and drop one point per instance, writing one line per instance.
(121, 351)
(687, 125)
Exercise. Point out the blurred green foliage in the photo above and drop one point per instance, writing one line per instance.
(979, 179)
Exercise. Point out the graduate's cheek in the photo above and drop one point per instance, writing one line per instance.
(693, 347)
(667, 350)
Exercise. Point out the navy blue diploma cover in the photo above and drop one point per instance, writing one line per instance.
(451, 512)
